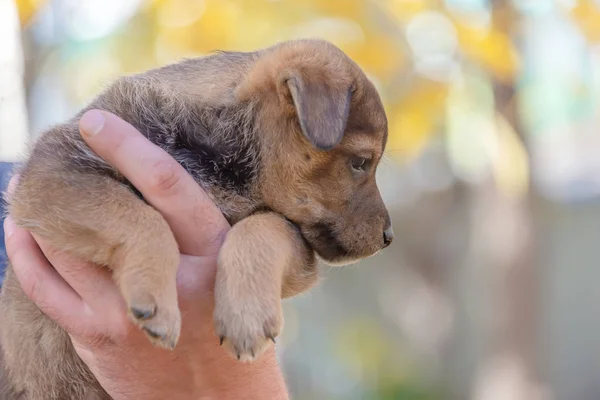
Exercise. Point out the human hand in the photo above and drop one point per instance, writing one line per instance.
(84, 301)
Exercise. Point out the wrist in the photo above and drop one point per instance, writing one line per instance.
(157, 376)
(226, 378)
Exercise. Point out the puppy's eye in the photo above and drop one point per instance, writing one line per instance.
(359, 164)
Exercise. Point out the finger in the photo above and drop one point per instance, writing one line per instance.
(193, 282)
(92, 283)
(197, 223)
(40, 282)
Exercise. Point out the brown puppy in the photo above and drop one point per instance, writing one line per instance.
(285, 140)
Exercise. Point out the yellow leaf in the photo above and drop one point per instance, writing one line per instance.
(265, 22)
(353, 9)
(414, 120)
(587, 16)
(379, 55)
(216, 28)
(179, 13)
(404, 10)
(173, 43)
(28, 8)
(491, 48)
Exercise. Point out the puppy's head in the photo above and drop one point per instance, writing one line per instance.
(323, 131)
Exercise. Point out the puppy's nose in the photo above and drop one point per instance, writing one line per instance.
(388, 236)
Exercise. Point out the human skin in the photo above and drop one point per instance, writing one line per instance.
(84, 300)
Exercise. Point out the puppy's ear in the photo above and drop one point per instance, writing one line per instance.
(322, 109)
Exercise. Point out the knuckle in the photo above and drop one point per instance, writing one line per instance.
(164, 176)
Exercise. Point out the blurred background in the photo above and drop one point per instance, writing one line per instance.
(492, 175)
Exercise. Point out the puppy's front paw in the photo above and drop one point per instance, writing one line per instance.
(147, 278)
(247, 328)
(160, 320)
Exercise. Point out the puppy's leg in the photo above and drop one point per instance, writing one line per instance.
(38, 361)
(99, 219)
(263, 259)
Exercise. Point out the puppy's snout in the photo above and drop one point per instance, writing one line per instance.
(388, 236)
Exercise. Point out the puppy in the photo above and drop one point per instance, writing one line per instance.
(285, 140)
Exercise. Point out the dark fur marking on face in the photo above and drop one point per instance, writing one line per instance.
(362, 126)
(330, 246)
(323, 240)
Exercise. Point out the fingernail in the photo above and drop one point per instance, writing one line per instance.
(9, 227)
(92, 122)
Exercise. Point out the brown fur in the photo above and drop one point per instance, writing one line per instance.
(275, 137)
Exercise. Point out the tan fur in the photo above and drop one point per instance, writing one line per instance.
(272, 136)
(262, 260)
